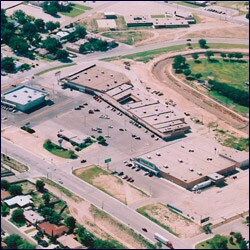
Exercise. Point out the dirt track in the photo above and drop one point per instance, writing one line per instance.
(162, 72)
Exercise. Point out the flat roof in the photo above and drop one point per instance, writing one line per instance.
(185, 159)
(23, 95)
(98, 78)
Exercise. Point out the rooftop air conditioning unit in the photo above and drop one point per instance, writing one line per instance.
(180, 160)
(199, 173)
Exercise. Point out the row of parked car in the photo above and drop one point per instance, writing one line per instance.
(216, 11)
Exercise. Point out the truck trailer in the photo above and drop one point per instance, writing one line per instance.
(163, 240)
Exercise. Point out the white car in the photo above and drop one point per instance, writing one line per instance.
(146, 173)
(110, 126)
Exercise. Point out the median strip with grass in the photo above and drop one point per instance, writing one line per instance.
(62, 189)
(146, 56)
(51, 69)
(16, 165)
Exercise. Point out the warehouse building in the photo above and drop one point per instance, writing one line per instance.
(116, 89)
(190, 162)
(24, 98)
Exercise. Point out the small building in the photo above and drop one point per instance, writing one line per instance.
(52, 230)
(33, 217)
(23, 98)
(18, 65)
(20, 201)
(5, 194)
(110, 15)
(61, 35)
(69, 241)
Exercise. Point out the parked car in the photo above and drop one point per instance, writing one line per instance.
(125, 177)
(129, 179)
(144, 229)
(91, 111)
(121, 173)
(83, 161)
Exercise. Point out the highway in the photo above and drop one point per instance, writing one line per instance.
(39, 167)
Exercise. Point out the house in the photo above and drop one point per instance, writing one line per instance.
(5, 195)
(69, 241)
(52, 230)
(33, 217)
(61, 35)
(20, 201)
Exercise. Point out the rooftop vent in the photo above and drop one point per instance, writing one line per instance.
(96, 76)
(102, 72)
(180, 160)
(111, 75)
(89, 79)
(14, 96)
(25, 91)
(199, 173)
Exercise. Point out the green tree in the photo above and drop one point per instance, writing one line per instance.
(15, 190)
(3, 17)
(231, 55)
(70, 222)
(187, 72)
(238, 237)
(7, 33)
(40, 24)
(5, 184)
(238, 55)
(46, 198)
(8, 64)
(180, 60)
(80, 31)
(203, 43)
(18, 216)
(51, 7)
(4, 210)
(247, 15)
(195, 56)
(198, 75)
(62, 54)
(50, 26)
(52, 44)
(218, 242)
(87, 239)
(26, 245)
(243, 244)
(20, 16)
(13, 241)
(40, 185)
(55, 218)
(208, 54)
(19, 44)
(29, 30)
(223, 55)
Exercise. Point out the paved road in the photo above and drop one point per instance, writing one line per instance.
(38, 167)
(11, 229)
(120, 51)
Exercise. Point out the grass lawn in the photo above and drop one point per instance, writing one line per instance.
(30, 230)
(77, 10)
(146, 56)
(62, 189)
(51, 69)
(17, 224)
(90, 174)
(239, 144)
(158, 16)
(187, 4)
(85, 145)
(27, 187)
(128, 37)
(58, 151)
(229, 103)
(235, 5)
(233, 73)
(142, 211)
(206, 245)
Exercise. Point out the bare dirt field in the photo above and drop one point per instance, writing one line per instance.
(100, 223)
(181, 226)
(114, 186)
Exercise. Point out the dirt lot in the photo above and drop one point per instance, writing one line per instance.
(115, 187)
(183, 227)
(98, 222)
